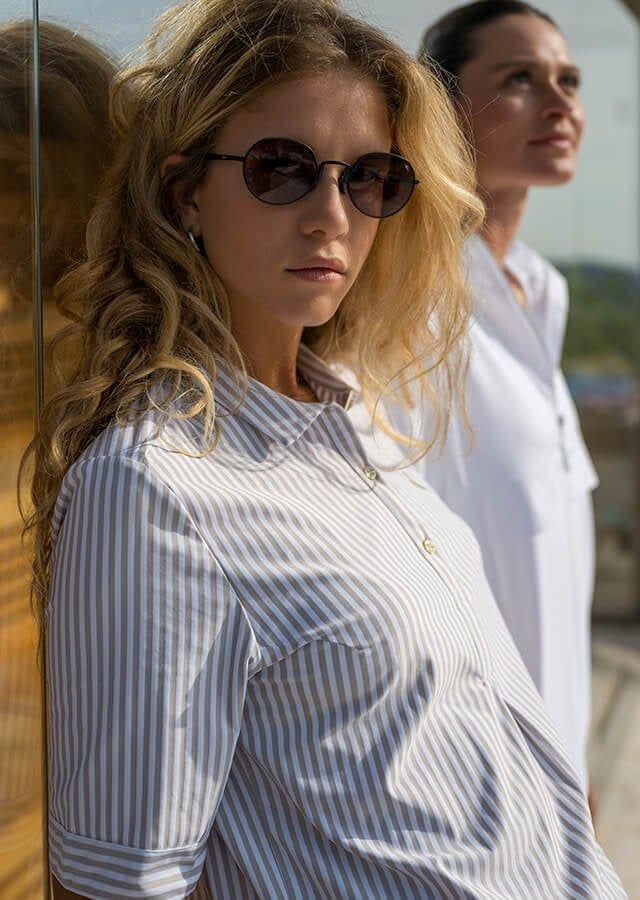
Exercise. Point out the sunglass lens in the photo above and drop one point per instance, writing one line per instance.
(279, 171)
(380, 184)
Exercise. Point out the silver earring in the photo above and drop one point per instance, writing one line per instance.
(193, 240)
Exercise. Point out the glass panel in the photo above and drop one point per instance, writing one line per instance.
(21, 781)
(80, 45)
(74, 74)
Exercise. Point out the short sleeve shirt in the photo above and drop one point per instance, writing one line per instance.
(273, 673)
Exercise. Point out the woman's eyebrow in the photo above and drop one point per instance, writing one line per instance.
(532, 63)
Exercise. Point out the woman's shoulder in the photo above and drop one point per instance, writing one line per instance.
(153, 427)
(132, 456)
(522, 256)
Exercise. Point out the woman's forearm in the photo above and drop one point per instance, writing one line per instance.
(62, 893)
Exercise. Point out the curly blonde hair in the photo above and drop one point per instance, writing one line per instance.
(146, 309)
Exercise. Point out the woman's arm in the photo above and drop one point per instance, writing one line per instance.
(61, 893)
(149, 650)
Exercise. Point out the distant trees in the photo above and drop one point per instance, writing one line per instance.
(602, 331)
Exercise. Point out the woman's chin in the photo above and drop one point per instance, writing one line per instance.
(305, 315)
(553, 174)
(308, 312)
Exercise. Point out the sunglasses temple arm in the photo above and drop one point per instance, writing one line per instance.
(224, 156)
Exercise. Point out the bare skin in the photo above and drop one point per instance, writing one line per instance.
(340, 117)
(525, 117)
(61, 893)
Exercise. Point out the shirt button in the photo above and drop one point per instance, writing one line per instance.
(370, 473)
(429, 546)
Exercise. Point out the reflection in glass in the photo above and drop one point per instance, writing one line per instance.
(74, 146)
(21, 782)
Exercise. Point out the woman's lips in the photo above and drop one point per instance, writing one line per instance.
(317, 274)
(563, 143)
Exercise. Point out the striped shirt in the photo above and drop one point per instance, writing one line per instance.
(277, 671)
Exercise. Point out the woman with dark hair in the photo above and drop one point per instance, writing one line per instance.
(270, 675)
(524, 481)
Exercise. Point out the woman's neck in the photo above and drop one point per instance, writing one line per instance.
(504, 211)
(271, 351)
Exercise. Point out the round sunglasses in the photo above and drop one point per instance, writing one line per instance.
(280, 171)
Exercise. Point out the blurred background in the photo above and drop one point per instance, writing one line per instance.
(56, 58)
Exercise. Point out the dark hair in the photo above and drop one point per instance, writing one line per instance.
(448, 44)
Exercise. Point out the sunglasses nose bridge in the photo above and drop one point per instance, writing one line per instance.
(342, 177)
(342, 180)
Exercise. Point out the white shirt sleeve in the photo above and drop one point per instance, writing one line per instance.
(148, 652)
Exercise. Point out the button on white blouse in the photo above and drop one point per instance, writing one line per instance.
(524, 481)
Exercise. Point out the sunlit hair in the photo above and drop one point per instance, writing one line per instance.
(147, 308)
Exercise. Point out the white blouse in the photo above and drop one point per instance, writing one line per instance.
(524, 481)
(271, 669)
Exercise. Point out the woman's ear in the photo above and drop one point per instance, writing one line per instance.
(182, 195)
(169, 162)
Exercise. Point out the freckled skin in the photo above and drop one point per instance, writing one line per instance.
(511, 106)
(340, 117)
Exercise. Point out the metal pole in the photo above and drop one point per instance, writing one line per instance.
(634, 6)
(38, 351)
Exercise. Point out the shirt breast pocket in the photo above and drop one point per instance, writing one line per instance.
(318, 694)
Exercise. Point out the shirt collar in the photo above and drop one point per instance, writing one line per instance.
(276, 415)
(545, 288)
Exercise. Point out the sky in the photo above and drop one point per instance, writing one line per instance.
(594, 218)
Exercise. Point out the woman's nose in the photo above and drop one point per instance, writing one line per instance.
(325, 207)
(556, 100)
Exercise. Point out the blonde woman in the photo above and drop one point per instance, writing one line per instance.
(269, 674)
